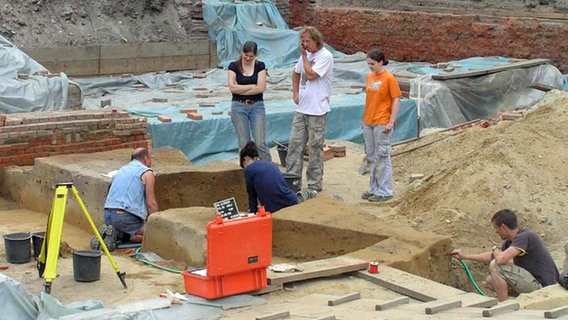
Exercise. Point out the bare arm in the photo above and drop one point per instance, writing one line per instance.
(149, 180)
(247, 89)
(479, 257)
(503, 257)
(310, 73)
(394, 114)
(296, 87)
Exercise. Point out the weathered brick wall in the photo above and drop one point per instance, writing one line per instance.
(434, 37)
(283, 7)
(26, 136)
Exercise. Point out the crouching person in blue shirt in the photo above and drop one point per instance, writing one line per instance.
(264, 181)
(130, 200)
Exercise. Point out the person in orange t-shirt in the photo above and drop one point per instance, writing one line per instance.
(381, 108)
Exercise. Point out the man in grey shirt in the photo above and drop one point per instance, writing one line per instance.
(532, 267)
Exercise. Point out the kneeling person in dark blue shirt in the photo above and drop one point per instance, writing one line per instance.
(264, 181)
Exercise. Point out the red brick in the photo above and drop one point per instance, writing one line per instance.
(338, 151)
(194, 116)
(327, 153)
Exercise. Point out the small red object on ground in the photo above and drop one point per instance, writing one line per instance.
(374, 267)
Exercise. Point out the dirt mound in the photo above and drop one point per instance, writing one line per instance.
(79, 22)
(512, 164)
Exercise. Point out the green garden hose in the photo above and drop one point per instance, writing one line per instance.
(471, 278)
(150, 263)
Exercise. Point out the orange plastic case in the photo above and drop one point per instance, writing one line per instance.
(238, 253)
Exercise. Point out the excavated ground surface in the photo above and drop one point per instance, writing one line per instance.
(475, 172)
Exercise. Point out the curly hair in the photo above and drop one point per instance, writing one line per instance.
(314, 34)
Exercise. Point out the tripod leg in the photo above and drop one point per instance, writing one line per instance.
(120, 275)
(40, 264)
(53, 236)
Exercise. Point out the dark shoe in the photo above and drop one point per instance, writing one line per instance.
(306, 194)
(109, 235)
(366, 195)
(376, 198)
(95, 245)
(111, 238)
(563, 281)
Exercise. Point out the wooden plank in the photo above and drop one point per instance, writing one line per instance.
(268, 289)
(330, 317)
(127, 58)
(410, 285)
(73, 68)
(480, 72)
(443, 306)
(555, 313)
(542, 86)
(392, 303)
(59, 54)
(155, 49)
(318, 269)
(344, 299)
(274, 316)
(502, 308)
(470, 299)
(141, 65)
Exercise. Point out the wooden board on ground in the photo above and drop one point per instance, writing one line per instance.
(318, 269)
(481, 72)
(267, 289)
(414, 286)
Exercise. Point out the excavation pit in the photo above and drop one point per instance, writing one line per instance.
(316, 229)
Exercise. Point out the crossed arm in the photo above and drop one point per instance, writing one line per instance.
(247, 89)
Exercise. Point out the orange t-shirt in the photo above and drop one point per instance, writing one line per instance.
(381, 90)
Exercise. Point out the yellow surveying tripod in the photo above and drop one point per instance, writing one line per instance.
(49, 254)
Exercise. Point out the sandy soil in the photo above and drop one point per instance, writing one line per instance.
(475, 171)
(145, 282)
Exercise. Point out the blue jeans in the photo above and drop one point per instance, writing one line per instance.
(378, 150)
(251, 119)
(123, 221)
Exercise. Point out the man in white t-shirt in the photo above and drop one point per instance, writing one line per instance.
(311, 85)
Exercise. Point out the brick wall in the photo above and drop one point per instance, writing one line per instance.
(283, 7)
(26, 136)
(435, 37)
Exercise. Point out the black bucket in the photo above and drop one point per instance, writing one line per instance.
(18, 247)
(293, 181)
(37, 241)
(87, 265)
(282, 153)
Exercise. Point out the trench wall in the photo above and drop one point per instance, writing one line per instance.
(437, 36)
